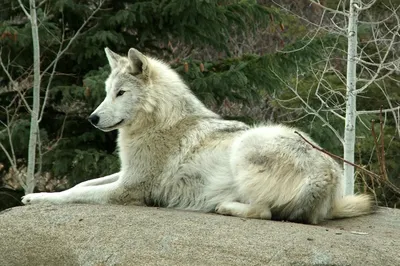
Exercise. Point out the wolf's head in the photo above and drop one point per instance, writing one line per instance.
(126, 87)
(144, 91)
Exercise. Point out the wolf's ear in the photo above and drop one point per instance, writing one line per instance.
(112, 57)
(138, 62)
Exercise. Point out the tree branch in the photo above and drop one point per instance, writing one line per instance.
(61, 51)
(23, 9)
(329, 9)
(14, 83)
(337, 157)
(314, 112)
(378, 111)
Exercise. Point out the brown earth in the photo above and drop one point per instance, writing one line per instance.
(125, 235)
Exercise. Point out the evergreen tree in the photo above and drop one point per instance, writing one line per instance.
(196, 37)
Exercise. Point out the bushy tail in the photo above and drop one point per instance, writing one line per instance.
(354, 205)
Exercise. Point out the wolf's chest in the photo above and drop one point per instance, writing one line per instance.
(148, 156)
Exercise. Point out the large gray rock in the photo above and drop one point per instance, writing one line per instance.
(125, 235)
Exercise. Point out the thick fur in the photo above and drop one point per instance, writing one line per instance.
(176, 153)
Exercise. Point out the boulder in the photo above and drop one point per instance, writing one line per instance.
(129, 235)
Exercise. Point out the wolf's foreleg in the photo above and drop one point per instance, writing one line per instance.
(99, 181)
(101, 194)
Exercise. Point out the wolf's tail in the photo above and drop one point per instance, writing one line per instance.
(353, 205)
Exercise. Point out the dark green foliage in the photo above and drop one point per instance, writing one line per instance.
(197, 37)
(69, 145)
(248, 77)
(10, 198)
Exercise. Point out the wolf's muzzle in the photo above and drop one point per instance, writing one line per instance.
(94, 119)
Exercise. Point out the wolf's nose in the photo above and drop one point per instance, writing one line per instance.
(94, 119)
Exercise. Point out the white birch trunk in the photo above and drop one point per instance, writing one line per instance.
(350, 127)
(34, 130)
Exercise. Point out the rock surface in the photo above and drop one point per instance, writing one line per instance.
(125, 235)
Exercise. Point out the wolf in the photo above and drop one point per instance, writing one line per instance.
(176, 153)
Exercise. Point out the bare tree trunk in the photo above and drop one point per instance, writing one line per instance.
(375, 65)
(34, 130)
(350, 122)
(36, 113)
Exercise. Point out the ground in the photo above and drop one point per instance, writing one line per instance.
(127, 235)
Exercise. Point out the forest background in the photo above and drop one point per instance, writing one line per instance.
(256, 61)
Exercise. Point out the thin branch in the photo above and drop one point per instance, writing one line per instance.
(13, 165)
(13, 83)
(60, 53)
(378, 111)
(328, 29)
(55, 61)
(60, 137)
(381, 160)
(334, 11)
(46, 95)
(367, 6)
(320, 83)
(395, 116)
(382, 150)
(9, 137)
(311, 39)
(387, 74)
(337, 157)
(23, 9)
(378, 154)
(314, 112)
(41, 3)
(382, 64)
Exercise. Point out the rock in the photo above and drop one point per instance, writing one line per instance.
(128, 235)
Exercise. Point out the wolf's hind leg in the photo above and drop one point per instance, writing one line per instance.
(99, 181)
(244, 210)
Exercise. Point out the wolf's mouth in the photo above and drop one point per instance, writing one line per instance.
(112, 127)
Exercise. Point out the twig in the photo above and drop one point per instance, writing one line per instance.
(24, 9)
(60, 53)
(329, 9)
(379, 111)
(14, 84)
(335, 156)
(376, 146)
(308, 108)
(382, 146)
(394, 188)
(60, 137)
(311, 39)
(13, 165)
(10, 137)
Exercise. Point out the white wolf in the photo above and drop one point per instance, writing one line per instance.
(176, 153)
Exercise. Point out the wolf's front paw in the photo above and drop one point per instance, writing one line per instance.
(35, 198)
(222, 209)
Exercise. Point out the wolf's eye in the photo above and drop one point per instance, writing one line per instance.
(120, 93)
